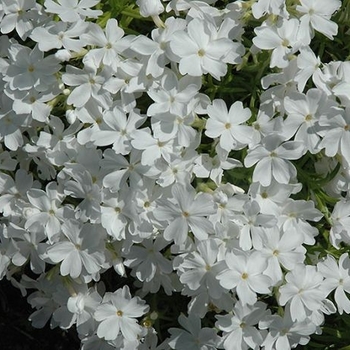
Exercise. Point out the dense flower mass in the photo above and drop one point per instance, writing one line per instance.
(176, 174)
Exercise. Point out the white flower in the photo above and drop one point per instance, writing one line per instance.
(285, 333)
(7, 250)
(173, 94)
(337, 278)
(146, 259)
(33, 103)
(200, 51)
(117, 129)
(81, 252)
(10, 124)
(281, 249)
(109, 44)
(272, 158)
(185, 211)
(244, 274)
(118, 313)
(303, 291)
(30, 69)
(82, 304)
(72, 10)
(19, 15)
(84, 187)
(239, 329)
(89, 85)
(308, 65)
(150, 7)
(294, 216)
(303, 114)
(117, 213)
(13, 197)
(252, 224)
(152, 148)
(227, 125)
(340, 230)
(51, 213)
(120, 170)
(315, 15)
(56, 35)
(199, 269)
(336, 136)
(282, 39)
(157, 49)
(193, 337)
(263, 7)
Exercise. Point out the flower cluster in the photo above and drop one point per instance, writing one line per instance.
(202, 159)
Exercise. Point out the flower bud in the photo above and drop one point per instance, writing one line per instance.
(150, 7)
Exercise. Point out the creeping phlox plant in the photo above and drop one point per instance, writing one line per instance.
(176, 174)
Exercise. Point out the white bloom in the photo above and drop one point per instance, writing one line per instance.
(337, 278)
(150, 7)
(109, 44)
(193, 337)
(244, 274)
(51, 213)
(72, 10)
(303, 115)
(89, 85)
(315, 15)
(282, 39)
(263, 7)
(281, 249)
(81, 252)
(285, 333)
(303, 291)
(199, 269)
(227, 124)
(200, 51)
(272, 158)
(19, 15)
(185, 211)
(239, 329)
(29, 68)
(340, 223)
(336, 136)
(56, 35)
(118, 313)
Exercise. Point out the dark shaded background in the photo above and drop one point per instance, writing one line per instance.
(17, 333)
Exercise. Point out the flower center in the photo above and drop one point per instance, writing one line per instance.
(119, 313)
(201, 53)
(285, 43)
(275, 252)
